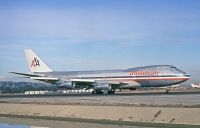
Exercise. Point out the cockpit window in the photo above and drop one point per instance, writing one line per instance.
(173, 69)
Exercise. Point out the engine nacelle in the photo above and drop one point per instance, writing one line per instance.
(65, 84)
(102, 86)
(132, 85)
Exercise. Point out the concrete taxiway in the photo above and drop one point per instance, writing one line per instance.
(128, 99)
(128, 108)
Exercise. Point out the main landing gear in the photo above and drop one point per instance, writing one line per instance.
(167, 91)
(103, 91)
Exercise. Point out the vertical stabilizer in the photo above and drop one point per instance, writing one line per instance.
(35, 63)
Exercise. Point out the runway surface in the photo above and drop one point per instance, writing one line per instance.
(27, 123)
(172, 100)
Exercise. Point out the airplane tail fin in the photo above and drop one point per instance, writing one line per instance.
(35, 63)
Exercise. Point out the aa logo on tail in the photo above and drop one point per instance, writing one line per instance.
(35, 62)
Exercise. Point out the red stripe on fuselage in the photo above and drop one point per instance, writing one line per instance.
(150, 78)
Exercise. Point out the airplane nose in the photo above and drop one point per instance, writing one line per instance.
(188, 76)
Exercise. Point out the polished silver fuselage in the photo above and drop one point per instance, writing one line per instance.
(145, 76)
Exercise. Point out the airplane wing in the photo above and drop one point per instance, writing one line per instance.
(26, 74)
(36, 64)
(52, 80)
(90, 83)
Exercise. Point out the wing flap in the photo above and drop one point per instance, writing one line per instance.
(82, 80)
(52, 80)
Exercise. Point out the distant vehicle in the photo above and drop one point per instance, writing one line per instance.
(36, 92)
(104, 80)
(171, 87)
(195, 86)
(176, 86)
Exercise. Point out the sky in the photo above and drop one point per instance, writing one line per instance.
(100, 34)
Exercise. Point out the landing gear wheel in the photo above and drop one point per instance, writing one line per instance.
(111, 91)
(93, 92)
(167, 91)
(99, 92)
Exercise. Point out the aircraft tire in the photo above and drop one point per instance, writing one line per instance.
(111, 91)
(99, 92)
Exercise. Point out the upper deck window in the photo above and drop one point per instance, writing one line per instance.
(173, 69)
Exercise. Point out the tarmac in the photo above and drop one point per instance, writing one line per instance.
(120, 99)
(156, 108)
(33, 123)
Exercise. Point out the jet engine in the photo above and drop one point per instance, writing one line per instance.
(65, 84)
(102, 86)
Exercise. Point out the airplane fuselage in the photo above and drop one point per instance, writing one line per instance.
(146, 76)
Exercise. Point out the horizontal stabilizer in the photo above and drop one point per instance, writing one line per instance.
(32, 76)
(27, 74)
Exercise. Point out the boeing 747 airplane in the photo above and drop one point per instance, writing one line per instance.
(104, 80)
